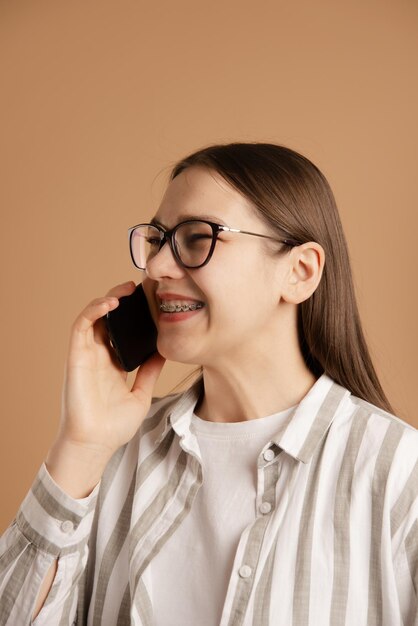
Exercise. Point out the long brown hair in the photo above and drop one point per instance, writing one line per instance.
(294, 198)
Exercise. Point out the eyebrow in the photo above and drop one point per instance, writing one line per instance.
(183, 217)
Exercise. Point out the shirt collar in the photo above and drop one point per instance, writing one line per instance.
(179, 412)
(310, 420)
(299, 436)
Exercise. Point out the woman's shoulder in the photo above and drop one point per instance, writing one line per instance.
(393, 439)
(381, 417)
(386, 460)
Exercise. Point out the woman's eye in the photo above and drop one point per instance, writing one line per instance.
(152, 241)
(196, 237)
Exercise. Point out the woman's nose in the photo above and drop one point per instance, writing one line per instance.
(164, 264)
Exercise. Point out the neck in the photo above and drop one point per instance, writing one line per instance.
(257, 388)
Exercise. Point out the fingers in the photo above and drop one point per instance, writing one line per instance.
(147, 376)
(124, 289)
(94, 311)
(98, 307)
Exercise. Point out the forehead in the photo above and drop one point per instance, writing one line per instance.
(200, 192)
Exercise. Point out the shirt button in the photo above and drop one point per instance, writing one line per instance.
(245, 571)
(269, 455)
(265, 507)
(67, 526)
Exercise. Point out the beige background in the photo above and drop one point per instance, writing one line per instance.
(99, 98)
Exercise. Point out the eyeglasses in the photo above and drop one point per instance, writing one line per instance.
(192, 242)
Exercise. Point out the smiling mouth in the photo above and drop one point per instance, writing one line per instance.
(177, 308)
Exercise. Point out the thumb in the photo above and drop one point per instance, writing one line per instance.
(146, 377)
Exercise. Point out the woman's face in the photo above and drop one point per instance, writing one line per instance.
(240, 286)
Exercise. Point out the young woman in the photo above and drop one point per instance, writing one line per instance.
(279, 488)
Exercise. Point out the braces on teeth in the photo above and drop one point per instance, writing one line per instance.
(171, 308)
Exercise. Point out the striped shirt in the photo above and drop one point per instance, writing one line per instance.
(334, 541)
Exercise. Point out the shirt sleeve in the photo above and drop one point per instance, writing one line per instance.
(406, 575)
(50, 524)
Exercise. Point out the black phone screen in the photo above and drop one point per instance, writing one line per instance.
(131, 330)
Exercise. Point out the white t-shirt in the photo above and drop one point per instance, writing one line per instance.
(191, 572)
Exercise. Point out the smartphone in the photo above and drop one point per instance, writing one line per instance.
(131, 330)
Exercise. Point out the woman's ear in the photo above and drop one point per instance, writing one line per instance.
(306, 264)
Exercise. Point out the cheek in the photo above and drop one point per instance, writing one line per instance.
(235, 308)
(237, 289)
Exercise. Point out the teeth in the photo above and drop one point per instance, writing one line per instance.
(177, 306)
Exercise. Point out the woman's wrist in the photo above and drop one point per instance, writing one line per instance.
(76, 468)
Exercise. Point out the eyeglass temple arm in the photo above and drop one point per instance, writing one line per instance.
(246, 232)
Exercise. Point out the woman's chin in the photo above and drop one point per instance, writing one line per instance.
(178, 353)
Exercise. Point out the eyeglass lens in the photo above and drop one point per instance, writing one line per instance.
(192, 241)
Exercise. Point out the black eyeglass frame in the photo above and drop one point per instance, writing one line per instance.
(169, 235)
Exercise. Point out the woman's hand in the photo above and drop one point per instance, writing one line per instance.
(99, 410)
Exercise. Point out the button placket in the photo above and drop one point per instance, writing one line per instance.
(267, 478)
(267, 475)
